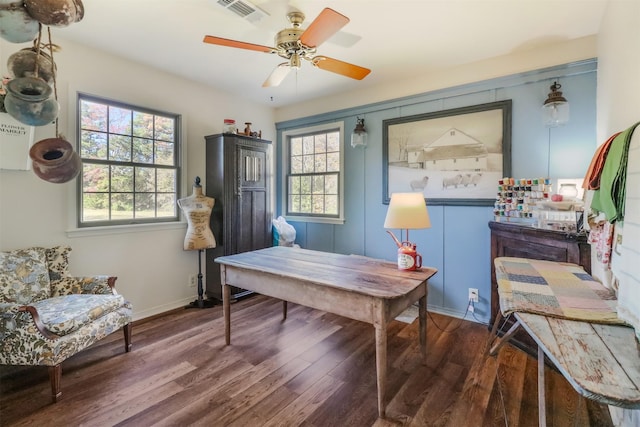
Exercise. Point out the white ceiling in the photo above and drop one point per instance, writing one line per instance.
(396, 39)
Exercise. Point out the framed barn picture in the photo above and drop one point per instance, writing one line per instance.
(454, 157)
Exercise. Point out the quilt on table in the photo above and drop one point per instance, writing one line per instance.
(554, 289)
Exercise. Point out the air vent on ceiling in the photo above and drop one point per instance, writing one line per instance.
(244, 9)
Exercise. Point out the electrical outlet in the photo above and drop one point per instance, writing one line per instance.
(473, 295)
(193, 281)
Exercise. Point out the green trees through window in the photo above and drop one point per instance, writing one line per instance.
(314, 173)
(130, 163)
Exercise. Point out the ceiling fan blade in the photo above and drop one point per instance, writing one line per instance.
(234, 43)
(277, 75)
(323, 27)
(340, 67)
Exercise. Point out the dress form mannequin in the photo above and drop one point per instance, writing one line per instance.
(197, 209)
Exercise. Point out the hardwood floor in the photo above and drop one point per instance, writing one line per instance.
(314, 369)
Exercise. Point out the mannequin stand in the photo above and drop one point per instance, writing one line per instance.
(201, 302)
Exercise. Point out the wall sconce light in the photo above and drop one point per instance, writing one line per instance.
(555, 111)
(359, 134)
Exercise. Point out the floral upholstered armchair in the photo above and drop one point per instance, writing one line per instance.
(46, 315)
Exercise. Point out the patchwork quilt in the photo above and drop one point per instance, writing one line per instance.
(553, 289)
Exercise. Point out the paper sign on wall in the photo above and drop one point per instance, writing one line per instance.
(15, 141)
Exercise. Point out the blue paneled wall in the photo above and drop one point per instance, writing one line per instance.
(458, 242)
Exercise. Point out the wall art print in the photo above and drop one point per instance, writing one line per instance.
(454, 157)
(15, 141)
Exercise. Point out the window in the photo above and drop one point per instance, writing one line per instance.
(313, 173)
(130, 159)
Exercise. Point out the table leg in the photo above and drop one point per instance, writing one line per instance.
(422, 314)
(226, 304)
(381, 366)
(284, 310)
(542, 410)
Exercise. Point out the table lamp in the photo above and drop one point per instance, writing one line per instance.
(407, 211)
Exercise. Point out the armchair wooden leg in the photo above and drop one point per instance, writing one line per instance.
(55, 376)
(127, 337)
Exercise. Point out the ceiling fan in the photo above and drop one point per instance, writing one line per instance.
(296, 43)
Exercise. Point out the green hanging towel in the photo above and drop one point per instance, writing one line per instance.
(610, 198)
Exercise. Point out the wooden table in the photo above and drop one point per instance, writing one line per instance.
(360, 288)
(600, 361)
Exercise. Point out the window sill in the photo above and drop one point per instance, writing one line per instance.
(335, 221)
(122, 229)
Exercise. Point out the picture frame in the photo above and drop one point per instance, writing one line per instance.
(16, 141)
(454, 157)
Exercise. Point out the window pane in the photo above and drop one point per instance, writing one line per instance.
(145, 205)
(145, 180)
(318, 184)
(318, 204)
(305, 204)
(142, 124)
(320, 143)
(166, 205)
(333, 141)
(294, 203)
(166, 180)
(165, 129)
(307, 164)
(121, 206)
(142, 150)
(120, 148)
(93, 116)
(307, 145)
(331, 205)
(121, 178)
(95, 178)
(296, 146)
(95, 207)
(294, 185)
(296, 164)
(164, 153)
(119, 120)
(333, 162)
(331, 184)
(305, 185)
(321, 163)
(93, 145)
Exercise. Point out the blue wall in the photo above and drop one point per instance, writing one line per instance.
(458, 242)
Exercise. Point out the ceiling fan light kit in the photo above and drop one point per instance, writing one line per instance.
(296, 43)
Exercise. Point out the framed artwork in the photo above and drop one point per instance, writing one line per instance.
(454, 157)
(15, 141)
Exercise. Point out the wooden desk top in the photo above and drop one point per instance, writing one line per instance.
(358, 274)
(600, 361)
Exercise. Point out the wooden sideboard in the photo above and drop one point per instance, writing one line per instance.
(524, 241)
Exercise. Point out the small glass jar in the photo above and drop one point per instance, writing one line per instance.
(229, 126)
(568, 190)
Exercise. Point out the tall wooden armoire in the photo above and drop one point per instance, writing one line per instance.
(237, 171)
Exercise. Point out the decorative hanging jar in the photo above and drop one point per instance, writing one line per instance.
(29, 101)
(54, 160)
(16, 25)
(25, 62)
(56, 13)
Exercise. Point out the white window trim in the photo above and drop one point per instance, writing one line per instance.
(285, 168)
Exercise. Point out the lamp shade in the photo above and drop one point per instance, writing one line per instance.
(408, 211)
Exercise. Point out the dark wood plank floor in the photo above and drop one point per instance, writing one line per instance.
(314, 369)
